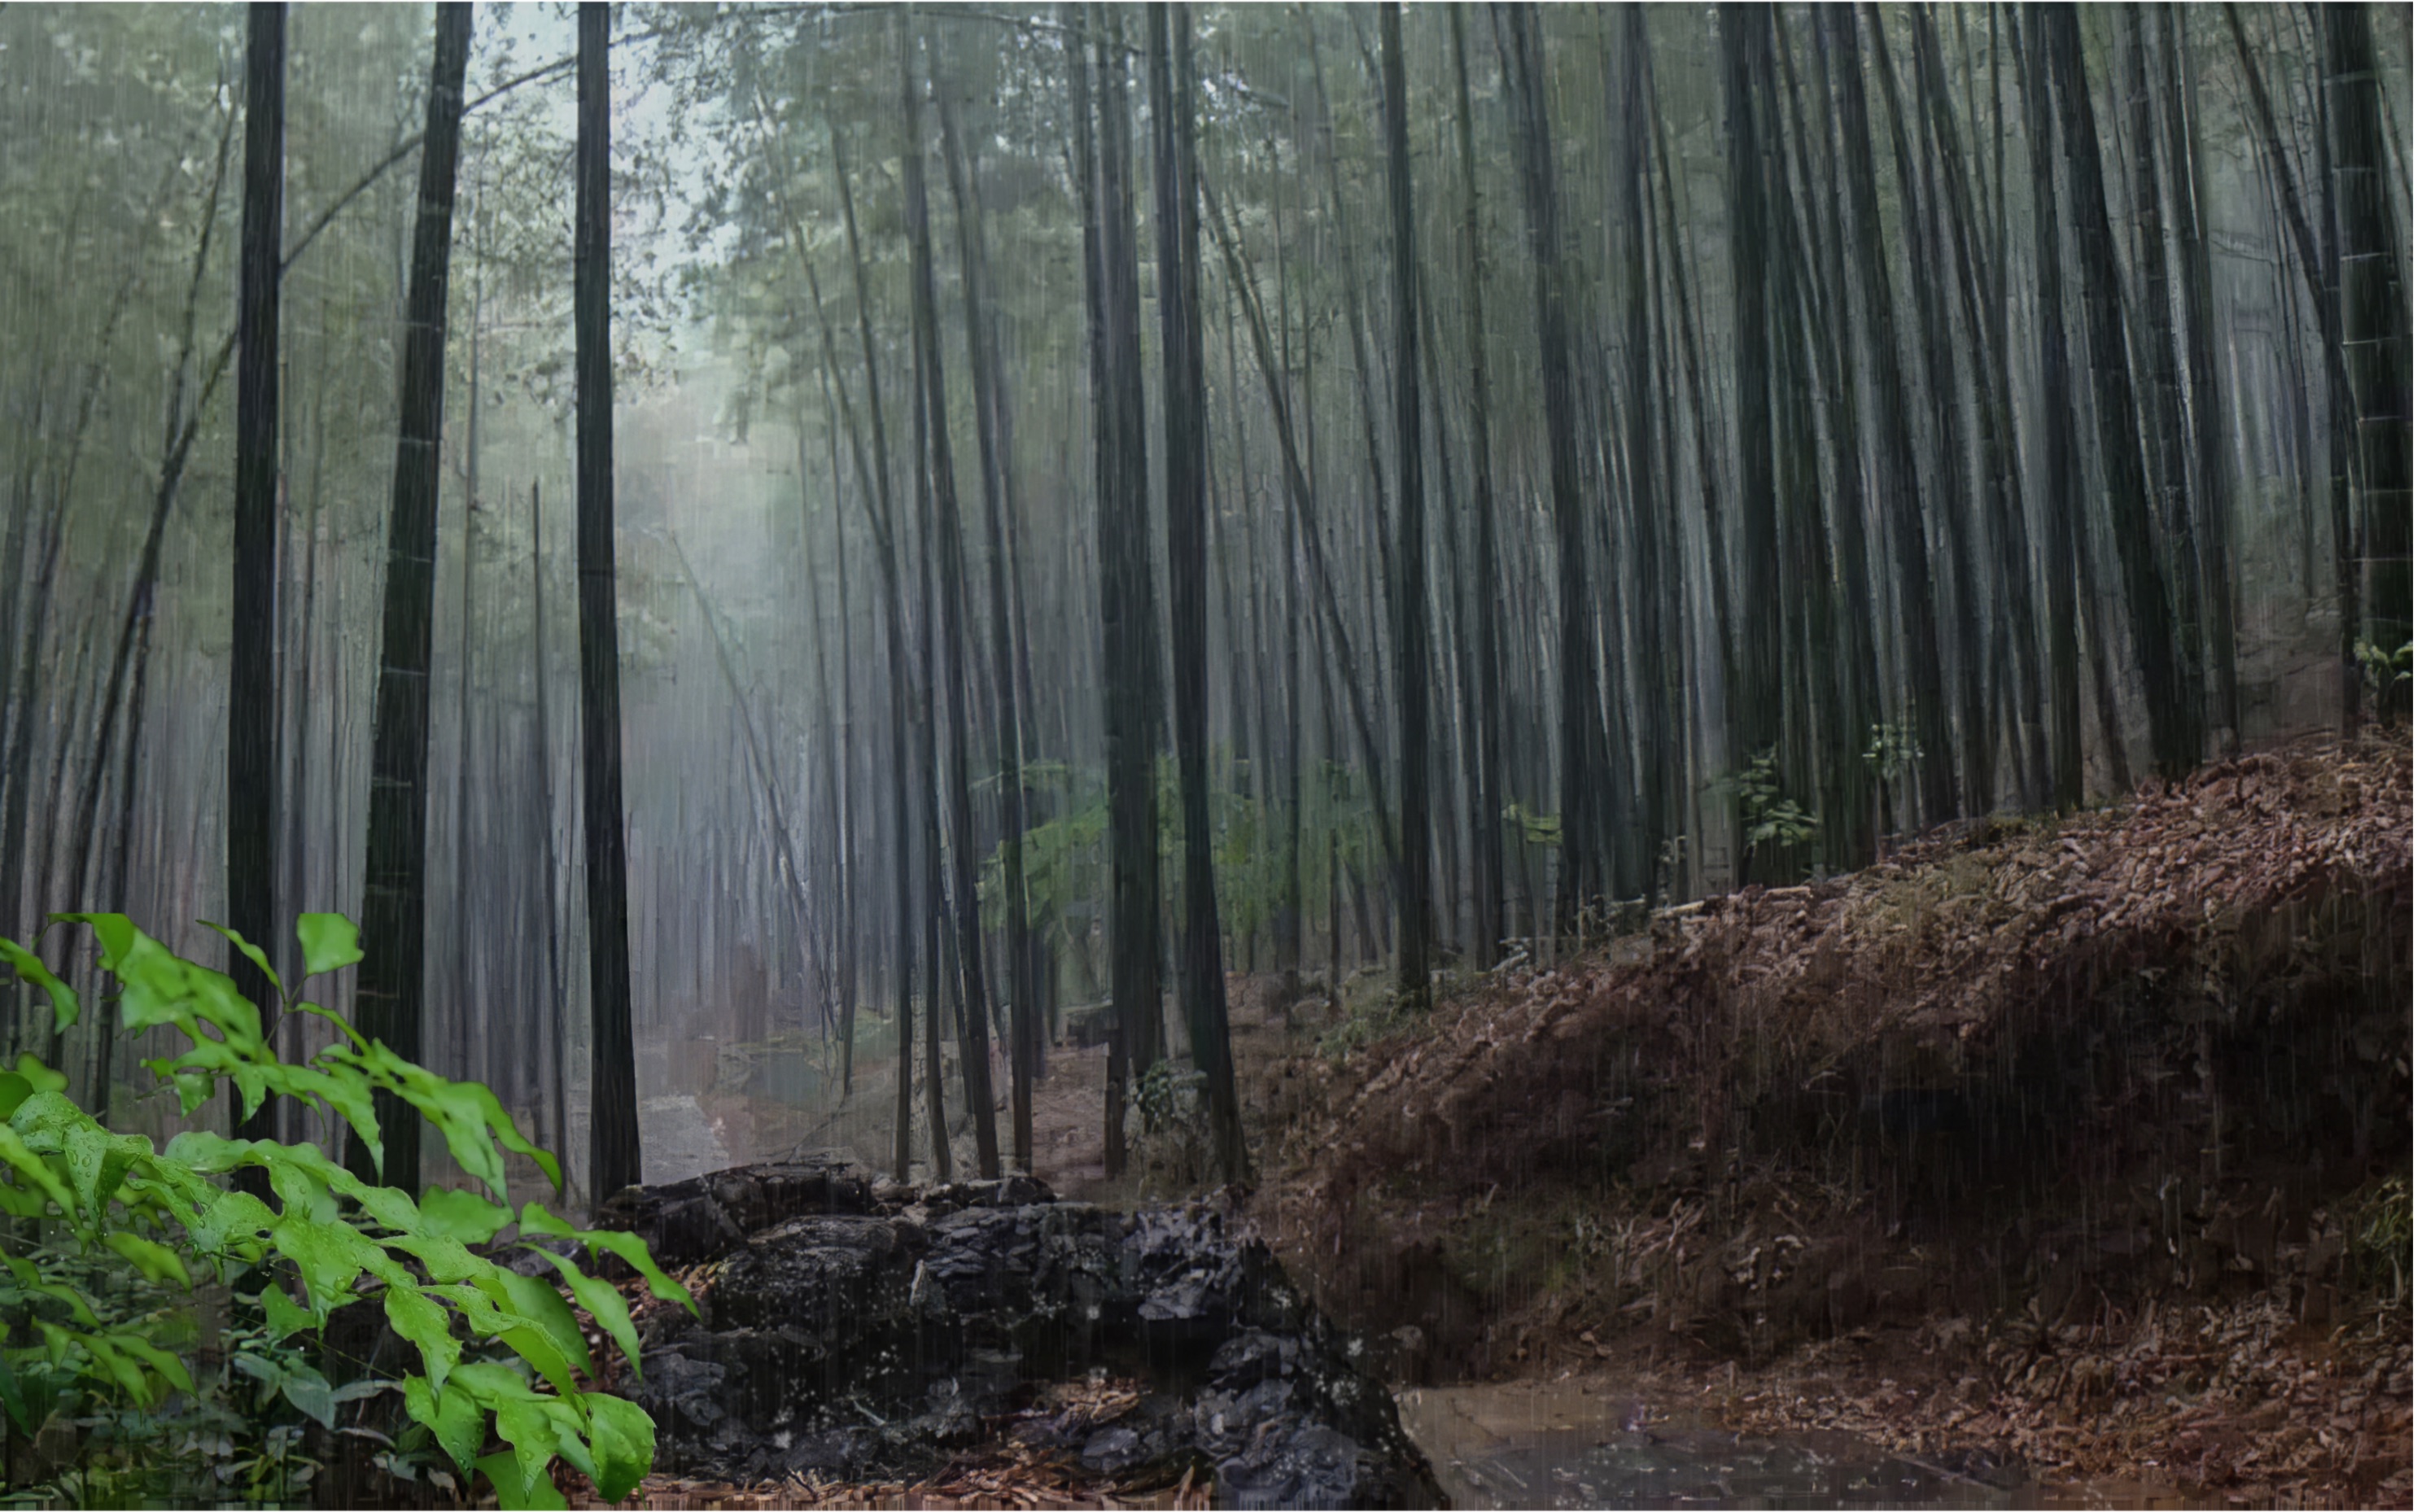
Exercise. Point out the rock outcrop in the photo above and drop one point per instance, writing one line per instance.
(854, 1329)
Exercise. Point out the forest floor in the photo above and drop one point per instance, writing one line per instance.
(2075, 1149)
(2076, 1146)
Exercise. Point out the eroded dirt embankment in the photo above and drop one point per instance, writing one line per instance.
(2083, 1142)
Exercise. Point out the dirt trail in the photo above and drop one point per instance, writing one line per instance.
(1067, 1108)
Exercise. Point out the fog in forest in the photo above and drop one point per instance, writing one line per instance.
(1058, 457)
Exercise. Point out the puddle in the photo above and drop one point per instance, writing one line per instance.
(1526, 1444)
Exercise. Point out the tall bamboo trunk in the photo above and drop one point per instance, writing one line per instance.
(251, 689)
(989, 402)
(464, 910)
(1852, 841)
(974, 1027)
(1411, 657)
(613, 1076)
(2173, 714)
(1657, 579)
(1897, 474)
(1700, 404)
(2060, 471)
(1818, 732)
(873, 486)
(1485, 795)
(1760, 701)
(2161, 410)
(1966, 645)
(1582, 774)
(1203, 974)
(1128, 639)
(557, 1040)
(2374, 325)
(2213, 483)
(2317, 262)
(2014, 634)
(394, 905)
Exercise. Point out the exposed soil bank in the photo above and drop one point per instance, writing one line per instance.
(2083, 1143)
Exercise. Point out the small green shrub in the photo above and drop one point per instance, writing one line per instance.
(1165, 1095)
(2380, 1239)
(1166, 1124)
(2384, 670)
(1892, 751)
(1532, 828)
(1372, 1009)
(111, 1204)
(1770, 817)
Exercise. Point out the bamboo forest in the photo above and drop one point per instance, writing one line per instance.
(1318, 755)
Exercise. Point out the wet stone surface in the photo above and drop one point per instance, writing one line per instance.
(1549, 1444)
(854, 1329)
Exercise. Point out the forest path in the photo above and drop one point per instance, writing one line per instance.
(1068, 1108)
(678, 1139)
(718, 1129)
(688, 1134)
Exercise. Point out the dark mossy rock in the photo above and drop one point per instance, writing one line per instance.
(868, 1333)
(684, 1222)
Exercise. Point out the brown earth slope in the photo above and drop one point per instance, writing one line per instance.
(2084, 1141)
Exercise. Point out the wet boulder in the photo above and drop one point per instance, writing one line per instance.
(875, 1334)
(686, 1222)
(1303, 1467)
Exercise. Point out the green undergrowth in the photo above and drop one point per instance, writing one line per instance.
(1373, 1010)
(2379, 1238)
(163, 1325)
